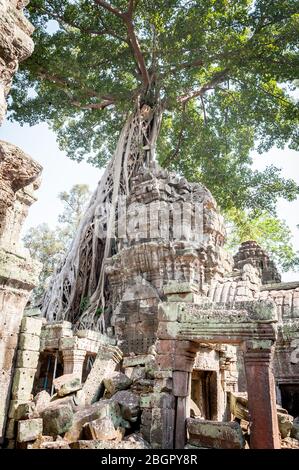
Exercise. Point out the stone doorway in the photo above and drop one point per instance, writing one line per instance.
(204, 392)
(290, 398)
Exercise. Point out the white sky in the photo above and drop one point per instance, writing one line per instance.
(60, 174)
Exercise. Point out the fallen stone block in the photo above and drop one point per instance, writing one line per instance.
(25, 411)
(104, 365)
(42, 400)
(57, 418)
(122, 445)
(66, 384)
(40, 440)
(98, 410)
(129, 404)
(137, 440)
(55, 445)
(214, 434)
(289, 443)
(285, 423)
(29, 430)
(115, 382)
(103, 429)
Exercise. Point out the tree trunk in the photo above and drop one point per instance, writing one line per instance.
(77, 289)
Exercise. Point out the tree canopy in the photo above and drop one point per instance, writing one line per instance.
(224, 71)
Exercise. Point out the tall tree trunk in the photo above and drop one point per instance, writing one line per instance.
(77, 289)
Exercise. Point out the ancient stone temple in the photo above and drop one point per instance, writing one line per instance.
(19, 179)
(200, 349)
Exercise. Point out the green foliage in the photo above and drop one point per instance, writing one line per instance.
(74, 205)
(270, 233)
(225, 71)
(50, 245)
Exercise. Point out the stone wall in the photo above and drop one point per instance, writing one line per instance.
(19, 179)
(15, 44)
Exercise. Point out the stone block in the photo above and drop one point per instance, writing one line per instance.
(129, 404)
(66, 384)
(29, 342)
(23, 383)
(31, 325)
(57, 418)
(104, 365)
(103, 429)
(122, 445)
(25, 411)
(285, 424)
(13, 406)
(139, 360)
(29, 430)
(27, 359)
(115, 382)
(98, 410)
(214, 434)
(42, 400)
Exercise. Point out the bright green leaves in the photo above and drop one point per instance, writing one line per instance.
(271, 233)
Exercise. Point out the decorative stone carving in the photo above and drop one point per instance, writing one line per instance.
(16, 44)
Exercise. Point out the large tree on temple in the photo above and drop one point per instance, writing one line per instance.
(197, 84)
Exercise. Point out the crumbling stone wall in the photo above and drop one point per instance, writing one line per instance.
(19, 179)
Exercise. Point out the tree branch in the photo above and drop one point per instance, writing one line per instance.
(110, 8)
(218, 78)
(127, 17)
(137, 52)
(102, 105)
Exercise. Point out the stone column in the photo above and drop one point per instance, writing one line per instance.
(176, 359)
(264, 432)
(18, 181)
(73, 360)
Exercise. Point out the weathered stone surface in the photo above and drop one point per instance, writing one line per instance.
(29, 430)
(98, 410)
(42, 400)
(23, 382)
(116, 382)
(107, 359)
(25, 411)
(129, 404)
(57, 418)
(285, 423)
(66, 384)
(27, 359)
(194, 410)
(216, 435)
(289, 443)
(16, 45)
(137, 440)
(122, 445)
(103, 429)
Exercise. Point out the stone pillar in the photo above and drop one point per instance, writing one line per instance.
(18, 181)
(73, 360)
(175, 360)
(26, 367)
(264, 432)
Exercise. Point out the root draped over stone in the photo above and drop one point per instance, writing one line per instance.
(78, 289)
